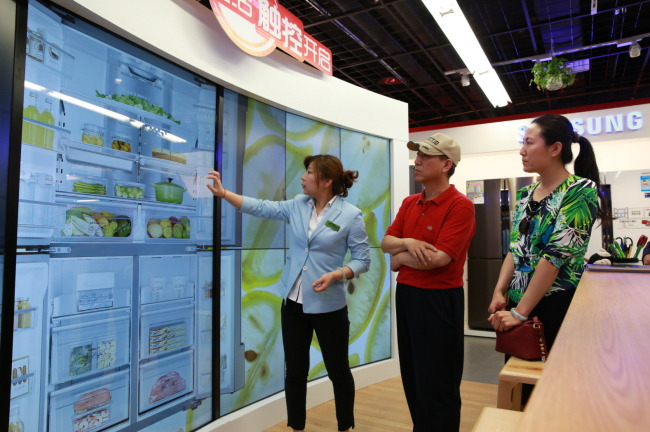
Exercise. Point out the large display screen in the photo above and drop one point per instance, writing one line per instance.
(274, 145)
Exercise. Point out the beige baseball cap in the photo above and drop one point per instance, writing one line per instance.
(436, 145)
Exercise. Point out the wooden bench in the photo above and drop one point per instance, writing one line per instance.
(515, 373)
(497, 420)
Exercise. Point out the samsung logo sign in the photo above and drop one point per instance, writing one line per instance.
(613, 123)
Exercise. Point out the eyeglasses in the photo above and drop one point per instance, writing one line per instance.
(532, 208)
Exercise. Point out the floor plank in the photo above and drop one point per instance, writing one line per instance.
(382, 408)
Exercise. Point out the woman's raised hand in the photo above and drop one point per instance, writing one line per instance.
(216, 188)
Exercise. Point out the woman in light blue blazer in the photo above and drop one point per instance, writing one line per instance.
(322, 227)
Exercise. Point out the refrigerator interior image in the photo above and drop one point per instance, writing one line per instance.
(494, 202)
(113, 319)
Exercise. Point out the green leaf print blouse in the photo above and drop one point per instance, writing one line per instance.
(559, 232)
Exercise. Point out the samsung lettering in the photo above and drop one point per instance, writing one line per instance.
(631, 121)
(607, 124)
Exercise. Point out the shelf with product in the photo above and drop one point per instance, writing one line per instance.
(40, 49)
(43, 133)
(25, 314)
(96, 221)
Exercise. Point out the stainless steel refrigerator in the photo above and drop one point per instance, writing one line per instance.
(494, 202)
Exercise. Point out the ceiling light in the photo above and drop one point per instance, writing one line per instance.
(453, 23)
(464, 80)
(635, 50)
(390, 81)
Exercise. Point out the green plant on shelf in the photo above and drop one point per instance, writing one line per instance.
(552, 75)
(138, 102)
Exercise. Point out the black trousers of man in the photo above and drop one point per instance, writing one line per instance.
(431, 350)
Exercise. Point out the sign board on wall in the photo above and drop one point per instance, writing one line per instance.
(259, 26)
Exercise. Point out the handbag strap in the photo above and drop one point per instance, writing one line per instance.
(537, 325)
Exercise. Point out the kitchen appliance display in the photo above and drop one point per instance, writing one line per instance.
(110, 327)
(494, 201)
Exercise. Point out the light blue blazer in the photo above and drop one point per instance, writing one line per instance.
(341, 229)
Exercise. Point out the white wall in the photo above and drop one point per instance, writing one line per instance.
(188, 34)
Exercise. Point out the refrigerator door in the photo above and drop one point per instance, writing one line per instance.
(115, 145)
(487, 241)
(27, 363)
(482, 278)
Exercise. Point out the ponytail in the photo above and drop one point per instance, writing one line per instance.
(585, 166)
(557, 128)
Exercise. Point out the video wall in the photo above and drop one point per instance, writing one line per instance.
(263, 152)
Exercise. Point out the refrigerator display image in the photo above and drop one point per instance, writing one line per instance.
(113, 319)
(267, 147)
(494, 201)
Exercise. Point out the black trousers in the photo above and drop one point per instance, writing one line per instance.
(332, 330)
(431, 350)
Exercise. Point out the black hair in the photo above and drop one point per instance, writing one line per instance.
(557, 128)
(330, 167)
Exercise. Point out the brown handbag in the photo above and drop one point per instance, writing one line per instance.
(526, 341)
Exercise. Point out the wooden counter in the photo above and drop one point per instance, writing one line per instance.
(597, 376)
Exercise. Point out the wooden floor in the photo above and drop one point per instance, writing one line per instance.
(382, 408)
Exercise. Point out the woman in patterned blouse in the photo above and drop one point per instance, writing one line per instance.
(552, 223)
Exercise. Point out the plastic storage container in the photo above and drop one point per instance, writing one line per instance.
(85, 184)
(121, 141)
(125, 189)
(92, 134)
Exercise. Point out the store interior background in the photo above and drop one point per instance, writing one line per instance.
(199, 44)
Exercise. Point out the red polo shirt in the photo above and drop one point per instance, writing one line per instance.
(447, 222)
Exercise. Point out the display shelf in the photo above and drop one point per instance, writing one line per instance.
(48, 53)
(100, 156)
(46, 125)
(22, 378)
(173, 131)
(167, 166)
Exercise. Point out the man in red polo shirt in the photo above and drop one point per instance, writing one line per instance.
(428, 242)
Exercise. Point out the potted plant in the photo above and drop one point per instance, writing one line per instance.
(552, 75)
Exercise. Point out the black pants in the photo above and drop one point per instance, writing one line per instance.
(431, 350)
(332, 330)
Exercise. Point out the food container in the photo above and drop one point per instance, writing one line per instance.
(92, 134)
(92, 410)
(85, 184)
(121, 141)
(169, 192)
(123, 189)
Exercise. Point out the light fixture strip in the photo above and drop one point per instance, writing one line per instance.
(454, 25)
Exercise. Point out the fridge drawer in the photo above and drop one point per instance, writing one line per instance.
(164, 380)
(166, 330)
(81, 285)
(168, 225)
(94, 405)
(167, 277)
(103, 222)
(88, 347)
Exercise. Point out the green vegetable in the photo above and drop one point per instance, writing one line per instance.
(133, 192)
(89, 188)
(123, 226)
(110, 229)
(138, 103)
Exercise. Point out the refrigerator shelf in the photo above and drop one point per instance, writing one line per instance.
(22, 378)
(164, 165)
(46, 125)
(100, 156)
